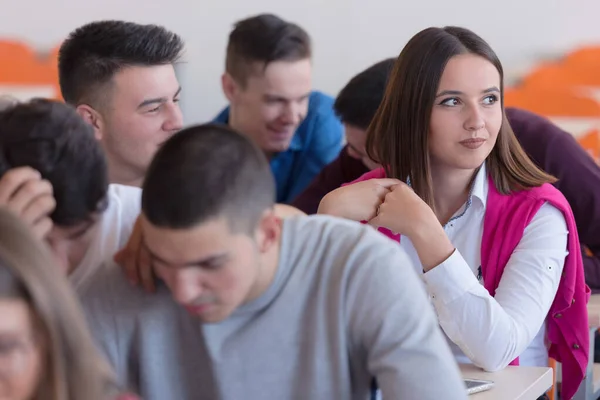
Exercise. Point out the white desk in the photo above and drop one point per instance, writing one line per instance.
(512, 383)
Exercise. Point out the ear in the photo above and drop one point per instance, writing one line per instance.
(93, 118)
(229, 86)
(268, 231)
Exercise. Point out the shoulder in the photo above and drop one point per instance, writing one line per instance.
(523, 205)
(548, 193)
(118, 220)
(534, 130)
(125, 197)
(320, 111)
(319, 101)
(222, 117)
(337, 238)
(378, 173)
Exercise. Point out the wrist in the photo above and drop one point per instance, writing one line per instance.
(431, 243)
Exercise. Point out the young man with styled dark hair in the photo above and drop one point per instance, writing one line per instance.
(52, 166)
(268, 83)
(121, 78)
(252, 306)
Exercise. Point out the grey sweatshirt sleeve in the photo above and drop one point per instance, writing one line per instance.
(98, 302)
(392, 321)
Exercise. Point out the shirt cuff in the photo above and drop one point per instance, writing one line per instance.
(451, 279)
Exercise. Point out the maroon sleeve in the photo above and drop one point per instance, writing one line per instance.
(558, 153)
(343, 169)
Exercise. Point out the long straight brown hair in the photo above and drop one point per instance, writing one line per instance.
(73, 368)
(398, 136)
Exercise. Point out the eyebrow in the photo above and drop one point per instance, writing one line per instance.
(204, 261)
(492, 89)
(157, 100)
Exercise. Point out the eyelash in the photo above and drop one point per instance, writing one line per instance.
(493, 97)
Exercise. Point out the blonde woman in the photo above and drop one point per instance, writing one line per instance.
(46, 351)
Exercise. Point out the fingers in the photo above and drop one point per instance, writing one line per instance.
(26, 194)
(34, 208)
(135, 260)
(15, 178)
(127, 256)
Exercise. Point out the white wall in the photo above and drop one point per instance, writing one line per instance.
(349, 34)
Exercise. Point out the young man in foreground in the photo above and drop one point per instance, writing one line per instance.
(252, 306)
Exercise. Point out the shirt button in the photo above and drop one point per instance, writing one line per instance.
(558, 315)
(576, 346)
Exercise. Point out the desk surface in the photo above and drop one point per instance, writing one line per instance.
(512, 383)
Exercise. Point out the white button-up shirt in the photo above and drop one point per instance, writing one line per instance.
(493, 331)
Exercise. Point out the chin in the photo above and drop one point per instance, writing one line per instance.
(277, 147)
(211, 319)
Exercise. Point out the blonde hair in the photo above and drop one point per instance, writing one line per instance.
(74, 369)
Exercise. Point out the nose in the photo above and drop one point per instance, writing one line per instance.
(353, 153)
(185, 287)
(174, 121)
(475, 120)
(294, 112)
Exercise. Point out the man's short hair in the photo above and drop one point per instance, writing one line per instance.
(50, 137)
(358, 101)
(260, 40)
(92, 54)
(205, 172)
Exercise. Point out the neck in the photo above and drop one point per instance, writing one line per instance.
(117, 176)
(269, 263)
(451, 191)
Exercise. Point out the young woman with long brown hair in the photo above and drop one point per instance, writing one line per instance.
(496, 242)
(46, 351)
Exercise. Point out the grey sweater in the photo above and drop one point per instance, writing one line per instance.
(345, 306)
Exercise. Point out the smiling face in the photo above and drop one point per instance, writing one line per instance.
(141, 112)
(271, 104)
(466, 115)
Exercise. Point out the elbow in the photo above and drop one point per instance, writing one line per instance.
(491, 362)
(494, 366)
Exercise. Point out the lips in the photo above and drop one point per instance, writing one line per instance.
(197, 309)
(472, 143)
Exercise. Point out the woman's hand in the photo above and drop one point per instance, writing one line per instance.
(404, 212)
(357, 202)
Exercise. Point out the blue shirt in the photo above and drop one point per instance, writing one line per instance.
(316, 143)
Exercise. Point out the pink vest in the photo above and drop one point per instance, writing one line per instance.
(567, 322)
